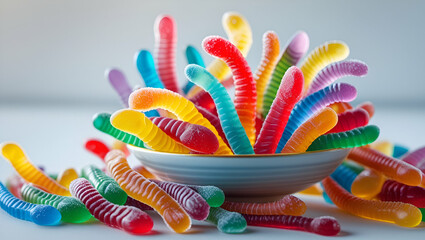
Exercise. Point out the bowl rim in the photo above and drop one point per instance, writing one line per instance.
(139, 149)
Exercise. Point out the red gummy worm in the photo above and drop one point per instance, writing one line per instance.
(259, 121)
(288, 95)
(245, 85)
(130, 219)
(195, 137)
(97, 147)
(288, 205)
(215, 121)
(393, 191)
(134, 203)
(203, 99)
(351, 119)
(327, 226)
(189, 199)
(415, 158)
(165, 30)
(389, 166)
(368, 106)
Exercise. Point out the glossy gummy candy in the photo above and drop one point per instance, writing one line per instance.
(245, 100)
(295, 50)
(353, 138)
(215, 121)
(320, 57)
(146, 66)
(193, 57)
(287, 96)
(165, 30)
(391, 167)
(288, 205)
(137, 124)
(399, 150)
(337, 70)
(39, 214)
(151, 98)
(232, 127)
(397, 192)
(304, 109)
(97, 147)
(30, 173)
(143, 190)
(212, 194)
(195, 137)
(368, 106)
(416, 157)
(203, 99)
(350, 120)
(384, 147)
(190, 200)
(129, 219)
(105, 185)
(327, 226)
(310, 130)
(344, 176)
(117, 144)
(402, 214)
(367, 184)
(119, 82)
(71, 210)
(268, 62)
(101, 122)
(143, 171)
(67, 176)
(227, 222)
(341, 107)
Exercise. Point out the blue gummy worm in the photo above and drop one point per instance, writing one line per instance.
(146, 67)
(399, 150)
(193, 57)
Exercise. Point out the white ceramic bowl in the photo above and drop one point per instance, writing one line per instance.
(265, 177)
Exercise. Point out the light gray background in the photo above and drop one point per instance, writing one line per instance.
(57, 51)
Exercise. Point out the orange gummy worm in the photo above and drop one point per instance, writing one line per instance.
(367, 184)
(340, 107)
(145, 191)
(30, 173)
(143, 171)
(402, 214)
(152, 98)
(318, 124)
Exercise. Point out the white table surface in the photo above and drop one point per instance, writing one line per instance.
(53, 137)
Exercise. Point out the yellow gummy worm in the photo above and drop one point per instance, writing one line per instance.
(152, 98)
(136, 123)
(16, 156)
(67, 176)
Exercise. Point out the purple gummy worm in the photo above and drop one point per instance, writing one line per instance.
(416, 157)
(119, 83)
(335, 71)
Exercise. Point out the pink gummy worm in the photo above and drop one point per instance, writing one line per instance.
(288, 95)
(416, 157)
(165, 30)
(189, 199)
(245, 87)
(327, 226)
(119, 83)
(351, 119)
(337, 70)
(130, 219)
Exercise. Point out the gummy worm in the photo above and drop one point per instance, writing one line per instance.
(193, 57)
(146, 66)
(227, 222)
(350, 120)
(97, 147)
(67, 176)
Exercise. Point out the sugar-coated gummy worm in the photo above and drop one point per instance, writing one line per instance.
(190, 200)
(215, 122)
(119, 82)
(146, 66)
(354, 138)
(195, 137)
(232, 126)
(391, 167)
(67, 176)
(39, 214)
(101, 122)
(304, 109)
(337, 70)
(340, 107)
(143, 190)
(97, 147)
(384, 147)
(105, 185)
(368, 106)
(245, 87)
(212, 194)
(227, 222)
(288, 205)
(327, 226)
(367, 184)
(344, 176)
(30, 173)
(416, 157)
(143, 171)
(165, 30)
(71, 210)
(203, 99)
(287, 96)
(268, 62)
(350, 120)
(310, 130)
(320, 57)
(397, 192)
(136, 123)
(193, 57)
(402, 214)
(295, 50)
(127, 218)
(399, 150)
(152, 98)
